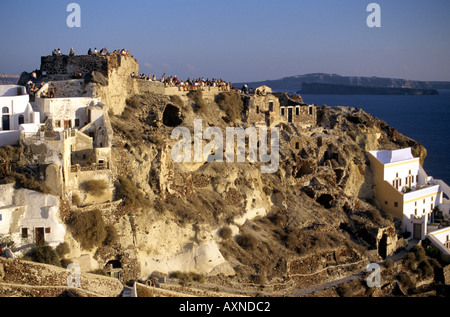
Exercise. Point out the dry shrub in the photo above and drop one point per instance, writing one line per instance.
(225, 233)
(43, 254)
(405, 280)
(88, 228)
(111, 236)
(197, 97)
(62, 249)
(95, 187)
(10, 153)
(304, 241)
(131, 195)
(231, 102)
(177, 101)
(28, 182)
(76, 200)
(246, 241)
(187, 278)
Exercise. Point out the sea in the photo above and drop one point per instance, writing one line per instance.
(425, 119)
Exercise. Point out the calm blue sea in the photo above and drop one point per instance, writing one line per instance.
(425, 119)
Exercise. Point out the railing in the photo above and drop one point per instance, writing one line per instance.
(93, 167)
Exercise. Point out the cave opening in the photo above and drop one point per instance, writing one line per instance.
(171, 116)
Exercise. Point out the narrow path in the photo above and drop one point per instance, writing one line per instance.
(395, 257)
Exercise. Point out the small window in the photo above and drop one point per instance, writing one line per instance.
(47, 230)
(385, 202)
(58, 123)
(0, 217)
(21, 120)
(395, 204)
(297, 145)
(432, 198)
(257, 109)
(282, 111)
(415, 212)
(24, 233)
(415, 203)
(77, 122)
(5, 110)
(310, 110)
(417, 178)
(270, 106)
(297, 111)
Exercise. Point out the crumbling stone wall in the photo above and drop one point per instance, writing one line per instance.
(59, 67)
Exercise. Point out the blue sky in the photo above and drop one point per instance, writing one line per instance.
(244, 40)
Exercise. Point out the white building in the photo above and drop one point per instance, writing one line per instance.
(28, 217)
(404, 190)
(17, 114)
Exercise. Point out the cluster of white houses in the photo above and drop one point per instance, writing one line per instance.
(69, 140)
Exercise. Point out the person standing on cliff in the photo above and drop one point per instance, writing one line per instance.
(72, 52)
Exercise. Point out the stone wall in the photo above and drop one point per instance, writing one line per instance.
(64, 66)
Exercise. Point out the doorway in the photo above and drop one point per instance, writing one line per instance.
(417, 231)
(39, 235)
(5, 122)
(289, 115)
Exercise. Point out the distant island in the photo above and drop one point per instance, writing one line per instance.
(7, 79)
(336, 89)
(295, 83)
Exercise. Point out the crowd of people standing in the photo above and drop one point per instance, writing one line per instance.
(186, 85)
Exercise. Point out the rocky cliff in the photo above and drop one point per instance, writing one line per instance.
(229, 219)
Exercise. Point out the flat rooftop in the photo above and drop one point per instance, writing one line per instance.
(387, 157)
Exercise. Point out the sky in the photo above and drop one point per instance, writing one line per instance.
(238, 41)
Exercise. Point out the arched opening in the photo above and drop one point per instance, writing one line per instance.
(171, 116)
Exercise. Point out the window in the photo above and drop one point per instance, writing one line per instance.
(47, 230)
(415, 212)
(5, 110)
(395, 204)
(297, 145)
(432, 198)
(270, 106)
(417, 178)
(21, 120)
(297, 111)
(58, 123)
(257, 109)
(24, 233)
(310, 110)
(415, 203)
(385, 202)
(0, 217)
(282, 111)
(77, 122)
